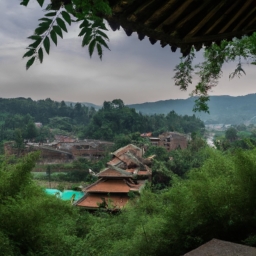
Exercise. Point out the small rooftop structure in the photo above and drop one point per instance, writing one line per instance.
(217, 247)
(147, 134)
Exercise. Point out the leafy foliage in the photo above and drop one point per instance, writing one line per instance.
(58, 14)
(210, 70)
(32, 223)
(116, 119)
(213, 202)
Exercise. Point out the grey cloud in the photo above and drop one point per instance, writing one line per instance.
(133, 70)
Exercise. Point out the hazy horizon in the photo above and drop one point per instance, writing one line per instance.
(87, 102)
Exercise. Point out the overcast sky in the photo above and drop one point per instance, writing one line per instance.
(134, 71)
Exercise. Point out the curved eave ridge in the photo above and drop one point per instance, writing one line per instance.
(182, 24)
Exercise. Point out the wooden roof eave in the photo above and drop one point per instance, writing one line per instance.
(175, 40)
(213, 21)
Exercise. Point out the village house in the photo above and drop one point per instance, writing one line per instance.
(125, 176)
(168, 140)
(65, 150)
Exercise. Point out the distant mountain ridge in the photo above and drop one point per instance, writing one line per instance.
(223, 109)
(87, 104)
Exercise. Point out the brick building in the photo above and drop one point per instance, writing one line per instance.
(168, 140)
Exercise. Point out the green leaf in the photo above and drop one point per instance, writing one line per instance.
(46, 19)
(97, 23)
(34, 37)
(91, 47)
(48, 7)
(30, 62)
(66, 17)
(45, 24)
(87, 38)
(103, 26)
(24, 2)
(47, 44)
(61, 23)
(40, 30)
(69, 8)
(53, 37)
(99, 49)
(85, 23)
(83, 31)
(50, 14)
(35, 44)
(102, 34)
(40, 55)
(41, 2)
(58, 31)
(101, 41)
(29, 53)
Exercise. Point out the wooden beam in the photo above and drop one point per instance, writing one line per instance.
(245, 6)
(217, 37)
(191, 15)
(245, 18)
(235, 3)
(158, 13)
(207, 17)
(252, 22)
(175, 15)
(142, 8)
(121, 6)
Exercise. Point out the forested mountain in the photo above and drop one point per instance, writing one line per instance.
(17, 118)
(43, 110)
(115, 118)
(223, 109)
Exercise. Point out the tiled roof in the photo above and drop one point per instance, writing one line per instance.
(93, 200)
(113, 171)
(128, 148)
(222, 248)
(110, 186)
(114, 186)
(139, 172)
(130, 159)
(114, 161)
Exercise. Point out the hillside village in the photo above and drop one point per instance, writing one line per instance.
(64, 148)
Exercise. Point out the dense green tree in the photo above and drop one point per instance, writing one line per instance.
(213, 202)
(116, 119)
(32, 223)
(31, 131)
(231, 134)
(19, 140)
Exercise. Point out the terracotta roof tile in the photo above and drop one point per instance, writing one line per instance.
(92, 200)
(114, 186)
(114, 161)
(130, 147)
(113, 171)
(109, 186)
